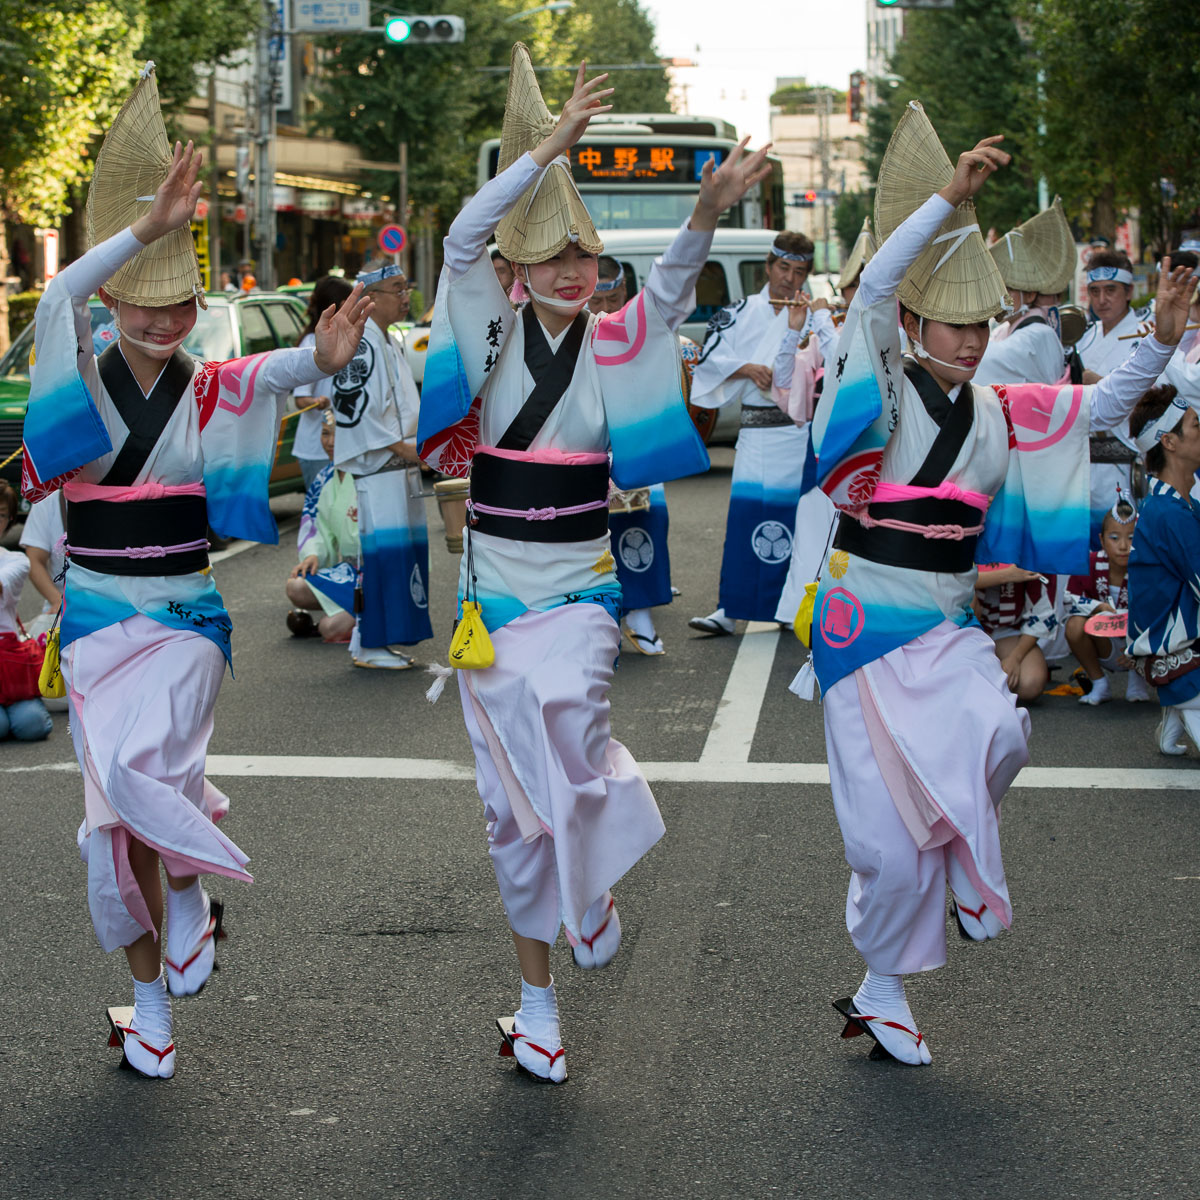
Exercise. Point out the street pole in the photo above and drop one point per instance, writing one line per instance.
(214, 208)
(264, 167)
(402, 204)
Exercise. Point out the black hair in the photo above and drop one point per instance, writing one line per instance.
(1185, 258)
(607, 267)
(329, 289)
(1109, 258)
(496, 254)
(9, 500)
(1148, 410)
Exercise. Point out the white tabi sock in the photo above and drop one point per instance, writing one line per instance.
(642, 623)
(187, 919)
(152, 1010)
(537, 1021)
(974, 915)
(882, 997)
(1136, 688)
(1100, 692)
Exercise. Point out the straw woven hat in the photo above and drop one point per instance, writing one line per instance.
(551, 212)
(133, 161)
(1038, 256)
(861, 253)
(955, 279)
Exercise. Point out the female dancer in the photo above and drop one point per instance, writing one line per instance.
(150, 447)
(568, 810)
(933, 475)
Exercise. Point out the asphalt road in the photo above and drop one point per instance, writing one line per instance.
(346, 1046)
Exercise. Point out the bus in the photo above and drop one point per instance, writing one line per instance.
(642, 171)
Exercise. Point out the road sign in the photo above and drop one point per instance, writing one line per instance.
(324, 16)
(392, 239)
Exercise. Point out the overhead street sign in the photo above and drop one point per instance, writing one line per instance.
(326, 16)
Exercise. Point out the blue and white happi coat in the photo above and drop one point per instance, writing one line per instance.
(639, 545)
(375, 404)
(768, 465)
(1164, 592)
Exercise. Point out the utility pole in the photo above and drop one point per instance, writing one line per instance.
(214, 208)
(402, 205)
(824, 111)
(265, 67)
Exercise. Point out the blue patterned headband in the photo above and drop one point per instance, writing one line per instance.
(387, 271)
(1154, 431)
(788, 256)
(608, 285)
(1109, 275)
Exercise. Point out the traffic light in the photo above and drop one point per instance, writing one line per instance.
(914, 3)
(438, 30)
(854, 96)
(804, 199)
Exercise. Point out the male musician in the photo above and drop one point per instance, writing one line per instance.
(611, 292)
(375, 405)
(1104, 346)
(736, 364)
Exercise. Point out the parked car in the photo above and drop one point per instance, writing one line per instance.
(233, 325)
(736, 267)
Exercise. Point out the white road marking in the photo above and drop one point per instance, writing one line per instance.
(732, 732)
(1169, 779)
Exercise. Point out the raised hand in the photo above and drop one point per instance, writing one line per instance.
(339, 331)
(973, 170)
(586, 102)
(722, 187)
(1171, 302)
(175, 201)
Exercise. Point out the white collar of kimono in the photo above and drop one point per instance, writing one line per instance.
(1149, 437)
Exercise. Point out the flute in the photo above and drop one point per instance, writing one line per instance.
(1128, 337)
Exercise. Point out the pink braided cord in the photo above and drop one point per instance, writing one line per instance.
(536, 514)
(952, 533)
(141, 551)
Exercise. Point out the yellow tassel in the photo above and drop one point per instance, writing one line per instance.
(470, 647)
(804, 616)
(50, 681)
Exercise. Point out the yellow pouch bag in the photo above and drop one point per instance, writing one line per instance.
(50, 681)
(471, 647)
(802, 625)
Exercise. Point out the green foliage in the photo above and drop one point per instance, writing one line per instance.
(437, 100)
(62, 75)
(976, 77)
(800, 98)
(1122, 110)
(184, 34)
(848, 216)
(21, 308)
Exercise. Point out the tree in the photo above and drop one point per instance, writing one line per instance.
(62, 75)
(1121, 109)
(181, 35)
(439, 101)
(848, 217)
(975, 76)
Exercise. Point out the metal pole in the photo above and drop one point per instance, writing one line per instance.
(402, 203)
(214, 208)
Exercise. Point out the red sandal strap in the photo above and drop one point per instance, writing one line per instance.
(589, 942)
(541, 1050)
(212, 925)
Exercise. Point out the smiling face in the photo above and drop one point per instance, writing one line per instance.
(569, 277)
(159, 330)
(957, 347)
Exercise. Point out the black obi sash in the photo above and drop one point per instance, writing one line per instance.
(533, 496)
(914, 551)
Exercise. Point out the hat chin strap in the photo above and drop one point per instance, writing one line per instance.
(554, 301)
(165, 349)
(920, 351)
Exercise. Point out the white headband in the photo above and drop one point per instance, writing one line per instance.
(1149, 437)
(608, 285)
(1109, 275)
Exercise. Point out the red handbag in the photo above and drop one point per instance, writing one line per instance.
(20, 666)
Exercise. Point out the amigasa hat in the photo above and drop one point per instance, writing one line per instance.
(1038, 256)
(955, 279)
(132, 163)
(861, 253)
(551, 211)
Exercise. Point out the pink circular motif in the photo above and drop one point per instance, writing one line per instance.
(842, 618)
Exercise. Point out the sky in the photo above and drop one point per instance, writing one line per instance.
(742, 46)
